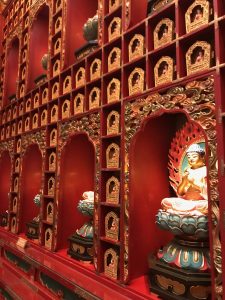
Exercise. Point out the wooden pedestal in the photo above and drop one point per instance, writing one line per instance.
(81, 248)
(86, 49)
(32, 230)
(171, 283)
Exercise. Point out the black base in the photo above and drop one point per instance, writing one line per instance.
(32, 230)
(12, 98)
(40, 79)
(86, 49)
(171, 283)
(80, 248)
(3, 219)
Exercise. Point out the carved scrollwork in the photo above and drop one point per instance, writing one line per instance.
(7, 146)
(34, 138)
(197, 100)
(36, 7)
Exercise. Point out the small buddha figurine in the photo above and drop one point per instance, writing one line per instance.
(192, 191)
(164, 32)
(200, 56)
(164, 70)
(198, 15)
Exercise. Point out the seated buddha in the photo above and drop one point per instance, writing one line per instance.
(192, 197)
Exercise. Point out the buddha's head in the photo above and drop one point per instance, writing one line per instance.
(195, 156)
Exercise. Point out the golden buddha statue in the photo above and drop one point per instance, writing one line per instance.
(192, 191)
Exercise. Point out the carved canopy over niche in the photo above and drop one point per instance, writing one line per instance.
(197, 100)
(36, 7)
(7, 146)
(34, 138)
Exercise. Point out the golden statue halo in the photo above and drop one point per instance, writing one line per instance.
(185, 137)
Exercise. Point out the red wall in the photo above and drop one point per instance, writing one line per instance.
(38, 45)
(11, 73)
(77, 176)
(78, 13)
(149, 184)
(31, 184)
(5, 174)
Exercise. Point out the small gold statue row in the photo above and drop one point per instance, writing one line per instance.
(198, 14)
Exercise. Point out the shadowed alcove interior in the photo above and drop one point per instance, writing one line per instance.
(38, 44)
(5, 177)
(31, 184)
(87, 9)
(11, 71)
(149, 184)
(77, 176)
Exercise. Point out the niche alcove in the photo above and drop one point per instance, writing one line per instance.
(31, 184)
(149, 156)
(38, 45)
(11, 71)
(77, 176)
(5, 178)
(78, 12)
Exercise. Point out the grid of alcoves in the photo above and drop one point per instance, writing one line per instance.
(69, 93)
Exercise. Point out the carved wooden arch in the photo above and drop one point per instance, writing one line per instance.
(16, 34)
(89, 125)
(36, 8)
(196, 100)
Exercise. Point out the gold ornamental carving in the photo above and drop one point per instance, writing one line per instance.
(197, 100)
(34, 138)
(7, 146)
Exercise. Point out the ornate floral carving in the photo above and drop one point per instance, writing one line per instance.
(34, 138)
(7, 146)
(197, 100)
